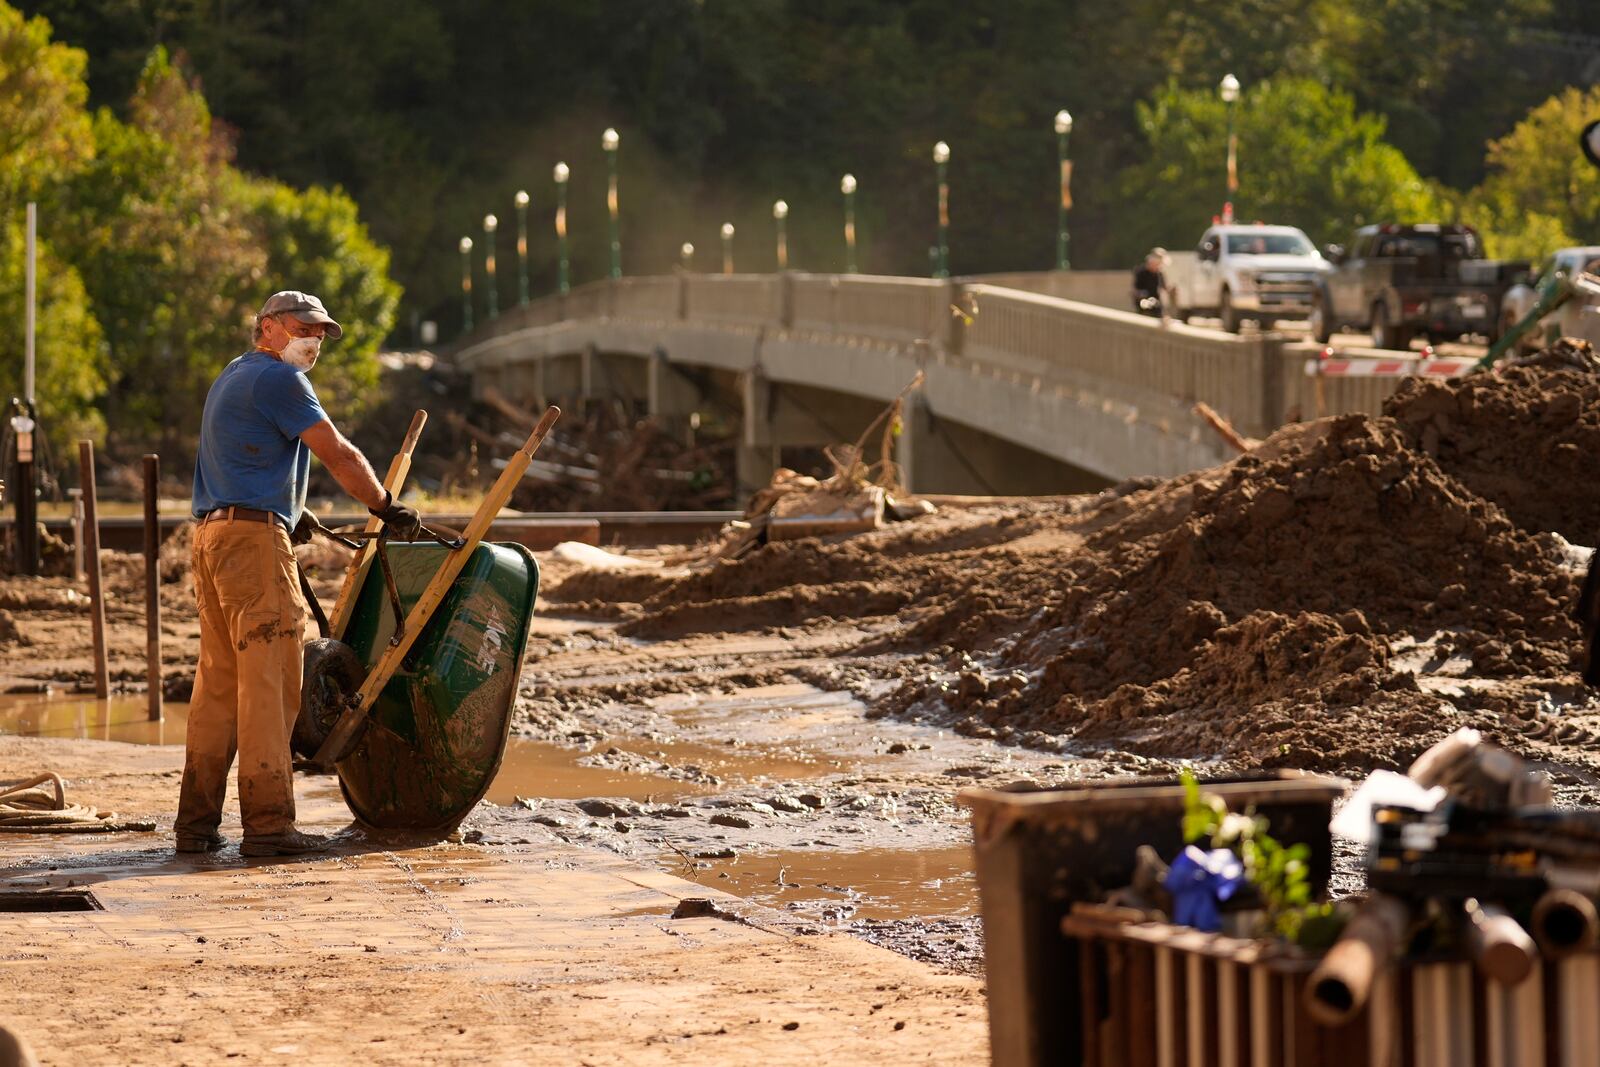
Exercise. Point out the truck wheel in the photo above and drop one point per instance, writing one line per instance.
(1321, 325)
(1230, 317)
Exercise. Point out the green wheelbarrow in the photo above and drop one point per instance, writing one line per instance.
(408, 695)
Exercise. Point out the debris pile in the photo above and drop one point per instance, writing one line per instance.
(1341, 596)
(1524, 437)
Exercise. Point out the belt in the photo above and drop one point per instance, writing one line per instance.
(245, 514)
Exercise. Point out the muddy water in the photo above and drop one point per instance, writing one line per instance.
(540, 769)
(836, 886)
(117, 719)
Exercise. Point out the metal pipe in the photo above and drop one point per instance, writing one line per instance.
(1564, 922)
(1499, 945)
(76, 496)
(29, 286)
(1341, 983)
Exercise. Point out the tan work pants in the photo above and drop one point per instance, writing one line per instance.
(247, 687)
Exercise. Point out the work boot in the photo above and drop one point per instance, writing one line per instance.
(288, 843)
(201, 842)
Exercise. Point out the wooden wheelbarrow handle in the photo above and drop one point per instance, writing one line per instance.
(394, 481)
(432, 596)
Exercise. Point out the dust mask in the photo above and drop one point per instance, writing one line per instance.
(301, 352)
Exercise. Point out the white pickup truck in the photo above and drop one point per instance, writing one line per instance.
(1240, 272)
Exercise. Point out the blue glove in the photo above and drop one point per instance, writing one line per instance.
(1199, 882)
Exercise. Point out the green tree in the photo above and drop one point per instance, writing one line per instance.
(169, 261)
(1306, 158)
(70, 359)
(44, 127)
(315, 242)
(1541, 192)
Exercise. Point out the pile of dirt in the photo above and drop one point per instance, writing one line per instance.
(1524, 437)
(1247, 612)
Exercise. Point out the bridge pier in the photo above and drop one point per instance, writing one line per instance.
(775, 416)
(670, 395)
(623, 376)
(939, 455)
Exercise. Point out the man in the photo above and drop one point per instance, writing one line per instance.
(262, 423)
(1150, 282)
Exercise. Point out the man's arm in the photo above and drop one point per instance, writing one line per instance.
(346, 463)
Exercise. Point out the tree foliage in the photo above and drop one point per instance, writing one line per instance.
(156, 250)
(70, 363)
(1541, 193)
(169, 263)
(1306, 158)
(315, 242)
(44, 129)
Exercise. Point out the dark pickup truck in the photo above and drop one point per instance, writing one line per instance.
(1428, 280)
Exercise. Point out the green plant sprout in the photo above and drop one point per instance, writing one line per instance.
(1280, 875)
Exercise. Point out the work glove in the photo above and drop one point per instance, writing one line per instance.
(308, 525)
(403, 523)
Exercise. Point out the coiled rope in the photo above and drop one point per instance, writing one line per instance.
(27, 808)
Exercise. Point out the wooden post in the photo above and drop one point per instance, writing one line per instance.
(91, 562)
(152, 583)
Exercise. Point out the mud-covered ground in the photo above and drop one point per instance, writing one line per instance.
(1339, 598)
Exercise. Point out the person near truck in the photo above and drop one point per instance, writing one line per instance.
(260, 426)
(1150, 283)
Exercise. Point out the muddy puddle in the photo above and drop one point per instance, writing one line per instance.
(118, 719)
(841, 886)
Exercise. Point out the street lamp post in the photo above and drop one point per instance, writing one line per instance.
(490, 224)
(1064, 168)
(727, 248)
(686, 256)
(522, 248)
(466, 284)
(609, 141)
(780, 216)
(1229, 91)
(847, 186)
(941, 161)
(562, 173)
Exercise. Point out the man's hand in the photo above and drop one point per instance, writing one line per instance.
(404, 523)
(308, 524)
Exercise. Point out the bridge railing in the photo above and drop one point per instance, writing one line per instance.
(735, 298)
(1047, 336)
(646, 297)
(900, 310)
(1103, 288)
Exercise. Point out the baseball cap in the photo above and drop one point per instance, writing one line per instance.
(302, 306)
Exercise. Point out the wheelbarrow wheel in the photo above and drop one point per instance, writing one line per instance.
(333, 673)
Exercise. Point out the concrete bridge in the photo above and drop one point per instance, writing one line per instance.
(1038, 391)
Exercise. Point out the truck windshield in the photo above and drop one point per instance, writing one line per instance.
(1268, 244)
(1429, 245)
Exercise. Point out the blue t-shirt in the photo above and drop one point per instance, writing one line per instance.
(251, 455)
